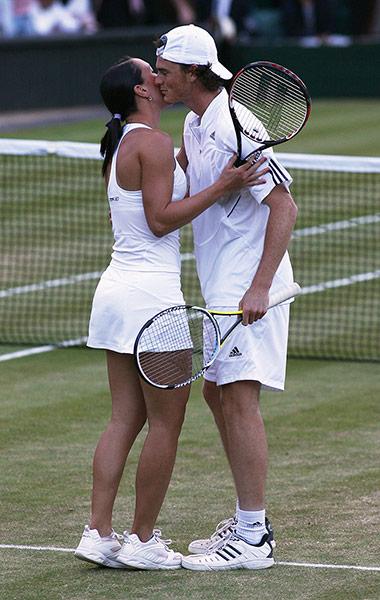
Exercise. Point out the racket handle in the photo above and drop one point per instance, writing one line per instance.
(238, 162)
(285, 294)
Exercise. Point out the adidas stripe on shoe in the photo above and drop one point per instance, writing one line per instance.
(233, 553)
(223, 530)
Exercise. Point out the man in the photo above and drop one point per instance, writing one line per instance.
(241, 252)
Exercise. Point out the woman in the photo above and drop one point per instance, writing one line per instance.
(146, 189)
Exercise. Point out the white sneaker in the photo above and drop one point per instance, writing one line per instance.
(223, 530)
(233, 553)
(101, 551)
(153, 554)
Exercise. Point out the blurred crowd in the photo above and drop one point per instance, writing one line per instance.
(312, 22)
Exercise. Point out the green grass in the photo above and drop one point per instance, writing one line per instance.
(323, 433)
(59, 194)
(92, 130)
(322, 498)
(335, 127)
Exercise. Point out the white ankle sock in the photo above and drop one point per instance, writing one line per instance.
(250, 525)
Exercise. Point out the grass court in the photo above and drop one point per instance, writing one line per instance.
(323, 435)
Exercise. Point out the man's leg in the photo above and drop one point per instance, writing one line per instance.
(236, 411)
(249, 546)
(247, 446)
(237, 414)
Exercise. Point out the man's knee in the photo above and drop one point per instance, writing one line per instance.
(211, 392)
(240, 397)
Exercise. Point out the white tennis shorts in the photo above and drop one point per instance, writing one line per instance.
(124, 301)
(254, 352)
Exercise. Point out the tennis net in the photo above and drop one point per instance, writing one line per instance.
(56, 240)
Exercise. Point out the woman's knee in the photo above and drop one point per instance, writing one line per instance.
(168, 425)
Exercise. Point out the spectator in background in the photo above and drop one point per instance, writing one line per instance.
(374, 22)
(315, 22)
(120, 13)
(225, 19)
(50, 17)
(181, 12)
(127, 13)
(230, 18)
(365, 17)
(82, 11)
(15, 20)
(6, 18)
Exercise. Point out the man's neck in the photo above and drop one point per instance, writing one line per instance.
(201, 101)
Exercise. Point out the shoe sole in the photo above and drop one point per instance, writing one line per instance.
(202, 549)
(98, 559)
(266, 563)
(197, 549)
(147, 566)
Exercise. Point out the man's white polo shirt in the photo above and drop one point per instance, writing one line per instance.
(228, 236)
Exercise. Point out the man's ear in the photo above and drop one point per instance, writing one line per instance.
(192, 72)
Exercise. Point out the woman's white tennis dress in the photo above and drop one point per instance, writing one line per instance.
(143, 276)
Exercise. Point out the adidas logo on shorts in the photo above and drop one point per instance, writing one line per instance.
(235, 352)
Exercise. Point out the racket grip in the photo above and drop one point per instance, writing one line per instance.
(289, 292)
(238, 162)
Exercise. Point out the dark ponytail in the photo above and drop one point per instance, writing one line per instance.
(117, 90)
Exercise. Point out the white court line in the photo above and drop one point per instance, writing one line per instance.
(20, 547)
(27, 352)
(35, 287)
(336, 225)
(298, 233)
(287, 564)
(323, 566)
(41, 349)
(360, 277)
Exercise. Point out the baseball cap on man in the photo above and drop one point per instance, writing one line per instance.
(192, 45)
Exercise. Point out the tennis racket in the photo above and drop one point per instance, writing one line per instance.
(178, 345)
(268, 104)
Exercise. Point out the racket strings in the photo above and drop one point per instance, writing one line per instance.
(176, 346)
(268, 103)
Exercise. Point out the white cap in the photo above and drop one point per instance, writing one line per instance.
(192, 45)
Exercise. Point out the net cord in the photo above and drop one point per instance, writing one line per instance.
(314, 162)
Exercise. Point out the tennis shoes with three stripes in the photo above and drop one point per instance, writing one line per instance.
(232, 552)
(223, 530)
(224, 550)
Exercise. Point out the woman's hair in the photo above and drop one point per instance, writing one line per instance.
(117, 90)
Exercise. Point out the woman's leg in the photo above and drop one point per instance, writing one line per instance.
(212, 395)
(127, 419)
(166, 412)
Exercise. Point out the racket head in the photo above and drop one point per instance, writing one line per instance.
(269, 104)
(176, 346)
